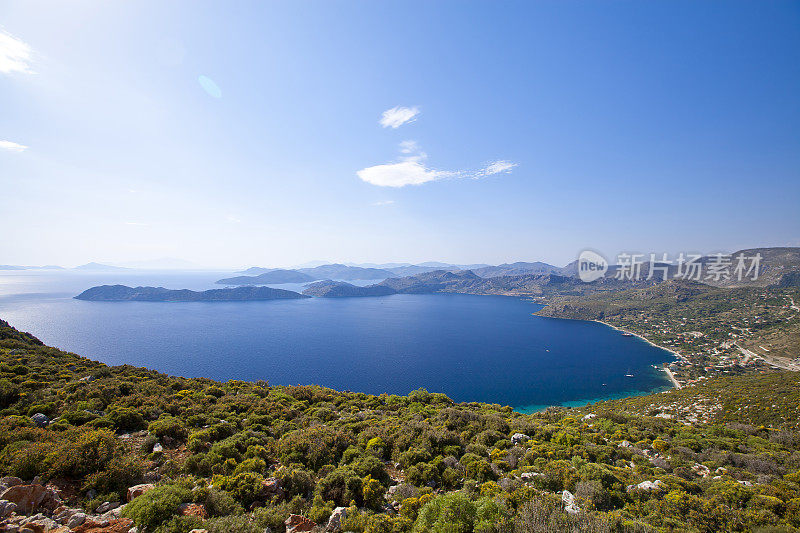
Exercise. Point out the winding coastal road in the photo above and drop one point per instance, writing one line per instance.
(750, 353)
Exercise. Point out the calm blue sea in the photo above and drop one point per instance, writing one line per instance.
(472, 348)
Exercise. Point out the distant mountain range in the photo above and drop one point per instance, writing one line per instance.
(779, 266)
(29, 267)
(99, 267)
(122, 293)
(264, 276)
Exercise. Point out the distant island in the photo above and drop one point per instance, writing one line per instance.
(342, 289)
(122, 293)
(271, 277)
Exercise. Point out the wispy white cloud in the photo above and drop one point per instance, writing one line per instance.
(397, 116)
(12, 146)
(136, 224)
(15, 55)
(382, 203)
(400, 174)
(409, 147)
(496, 167)
(412, 169)
(234, 219)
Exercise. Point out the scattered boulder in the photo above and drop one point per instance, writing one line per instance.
(120, 525)
(6, 508)
(106, 506)
(335, 521)
(529, 476)
(113, 514)
(30, 497)
(193, 509)
(199, 531)
(272, 488)
(589, 416)
(10, 481)
(298, 524)
(39, 522)
(41, 420)
(157, 447)
(647, 486)
(519, 438)
(625, 444)
(152, 477)
(76, 520)
(137, 490)
(569, 502)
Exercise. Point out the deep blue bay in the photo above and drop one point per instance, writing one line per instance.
(472, 348)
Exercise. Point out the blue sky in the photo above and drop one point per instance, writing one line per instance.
(233, 134)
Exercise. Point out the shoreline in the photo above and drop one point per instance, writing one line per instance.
(670, 375)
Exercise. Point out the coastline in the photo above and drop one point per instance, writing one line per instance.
(670, 375)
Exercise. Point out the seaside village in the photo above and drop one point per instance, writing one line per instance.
(724, 347)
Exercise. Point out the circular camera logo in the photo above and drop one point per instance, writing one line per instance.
(591, 266)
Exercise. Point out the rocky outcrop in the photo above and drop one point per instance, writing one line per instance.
(519, 438)
(335, 521)
(298, 524)
(647, 486)
(29, 498)
(193, 509)
(7, 508)
(272, 488)
(568, 499)
(106, 507)
(119, 525)
(40, 419)
(138, 490)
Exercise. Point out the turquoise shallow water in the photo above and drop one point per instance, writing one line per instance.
(472, 348)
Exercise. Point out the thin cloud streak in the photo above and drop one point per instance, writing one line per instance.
(411, 169)
(15, 55)
(12, 146)
(397, 116)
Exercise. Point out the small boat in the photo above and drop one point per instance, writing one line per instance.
(629, 375)
(627, 334)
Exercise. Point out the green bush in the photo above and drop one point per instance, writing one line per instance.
(157, 505)
(245, 488)
(295, 480)
(126, 419)
(118, 474)
(450, 513)
(169, 426)
(80, 452)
